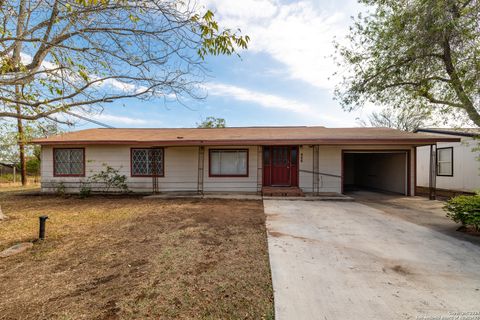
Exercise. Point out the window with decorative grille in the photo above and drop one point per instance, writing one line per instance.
(147, 162)
(69, 162)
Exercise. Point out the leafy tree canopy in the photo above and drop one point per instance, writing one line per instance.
(212, 122)
(416, 53)
(9, 138)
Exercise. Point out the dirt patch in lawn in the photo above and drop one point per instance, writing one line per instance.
(133, 258)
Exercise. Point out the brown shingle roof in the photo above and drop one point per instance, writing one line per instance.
(243, 135)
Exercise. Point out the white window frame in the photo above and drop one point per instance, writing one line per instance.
(439, 150)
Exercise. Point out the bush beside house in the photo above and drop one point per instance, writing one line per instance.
(465, 210)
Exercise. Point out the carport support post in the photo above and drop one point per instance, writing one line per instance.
(432, 185)
(201, 165)
(259, 169)
(316, 174)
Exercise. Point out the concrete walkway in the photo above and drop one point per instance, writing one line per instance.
(346, 260)
(195, 195)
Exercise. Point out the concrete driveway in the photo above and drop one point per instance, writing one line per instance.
(348, 260)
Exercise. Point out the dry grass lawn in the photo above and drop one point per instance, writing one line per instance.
(132, 258)
(7, 187)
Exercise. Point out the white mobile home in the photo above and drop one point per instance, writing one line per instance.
(457, 163)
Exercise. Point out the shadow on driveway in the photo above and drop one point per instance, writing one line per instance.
(418, 210)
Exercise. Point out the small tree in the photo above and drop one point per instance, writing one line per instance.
(401, 119)
(14, 146)
(212, 122)
(33, 166)
(8, 144)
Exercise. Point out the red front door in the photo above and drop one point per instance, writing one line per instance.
(280, 165)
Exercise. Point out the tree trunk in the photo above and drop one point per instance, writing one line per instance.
(21, 147)
(17, 60)
(456, 82)
(21, 141)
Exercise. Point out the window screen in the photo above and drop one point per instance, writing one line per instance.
(228, 162)
(445, 162)
(147, 162)
(69, 162)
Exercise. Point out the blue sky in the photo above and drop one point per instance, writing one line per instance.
(282, 79)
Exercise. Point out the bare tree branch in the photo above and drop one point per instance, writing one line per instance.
(66, 54)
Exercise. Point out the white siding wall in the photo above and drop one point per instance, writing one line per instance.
(466, 167)
(181, 169)
(330, 162)
(305, 176)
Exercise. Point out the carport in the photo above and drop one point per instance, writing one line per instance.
(385, 170)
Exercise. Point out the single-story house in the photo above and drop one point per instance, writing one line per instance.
(238, 159)
(458, 163)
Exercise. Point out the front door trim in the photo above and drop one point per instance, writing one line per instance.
(292, 166)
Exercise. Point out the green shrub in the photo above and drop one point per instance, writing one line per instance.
(110, 178)
(85, 190)
(60, 189)
(465, 209)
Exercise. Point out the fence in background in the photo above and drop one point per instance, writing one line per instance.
(9, 175)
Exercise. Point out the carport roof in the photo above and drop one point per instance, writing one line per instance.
(245, 136)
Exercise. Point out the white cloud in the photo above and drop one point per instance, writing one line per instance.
(299, 35)
(122, 86)
(271, 101)
(109, 118)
